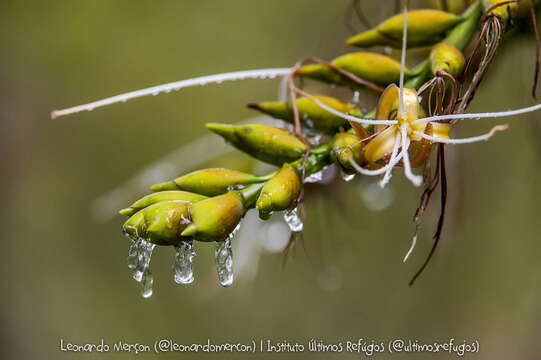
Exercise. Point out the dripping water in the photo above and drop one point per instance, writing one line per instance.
(223, 255)
(183, 267)
(139, 256)
(314, 178)
(293, 220)
(346, 176)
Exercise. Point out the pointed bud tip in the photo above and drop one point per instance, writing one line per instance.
(169, 185)
(189, 231)
(127, 212)
(254, 106)
(221, 129)
(366, 38)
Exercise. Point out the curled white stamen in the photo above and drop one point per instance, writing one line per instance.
(349, 117)
(382, 170)
(395, 158)
(174, 86)
(464, 140)
(479, 115)
(413, 243)
(415, 179)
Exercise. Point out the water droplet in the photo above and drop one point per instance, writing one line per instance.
(155, 93)
(356, 97)
(146, 283)
(315, 177)
(133, 254)
(223, 255)
(184, 254)
(293, 220)
(139, 262)
(347, 177)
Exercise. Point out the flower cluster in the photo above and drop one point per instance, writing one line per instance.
(415, 114)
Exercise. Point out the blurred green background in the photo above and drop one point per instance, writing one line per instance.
(64, 273)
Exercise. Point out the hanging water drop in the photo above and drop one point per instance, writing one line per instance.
(146, 283)
(223, 255)
(347, 177)
(293, 220)
(315, 177)
(356, 97)
(140, 258)
(133, 254)
(183, 271)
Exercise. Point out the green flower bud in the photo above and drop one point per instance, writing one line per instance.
(506, 11)
(425, 27)
(215, 218)
(373, 67)
(280, 192)
(446, 57)
(266, 143)
(209, 182)
(323, 73)
(160, 197)
(347, 146)
(311, 114)
(161, 223)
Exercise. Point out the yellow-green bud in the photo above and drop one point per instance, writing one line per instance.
(323, 73)
(161, 223)
(311, 114)
(506, 11)
(264, 142)
(280, 192)
(208, 182)
(453, 6)
(347, 146)
(154, 198)
(425, 27)
(215, 218)
(373, 67)
(446, 57)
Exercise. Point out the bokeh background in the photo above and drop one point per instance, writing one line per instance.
(63, 257)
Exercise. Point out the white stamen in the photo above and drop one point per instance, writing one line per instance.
(479, 115)
(464, 140)
(349, 117)
(174, 86)
(415, 179)
(393, 160)
(403, 61)
(382, 170)
(413, 243)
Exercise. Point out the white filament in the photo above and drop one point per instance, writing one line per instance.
(413, 243)
(415, 179)
(479, 115)
(464, 140)
(349, 117)
(395, 158)
(174, 86)
(403, 60)
(382, 170)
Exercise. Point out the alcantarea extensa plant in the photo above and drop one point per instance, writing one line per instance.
(414, 117)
